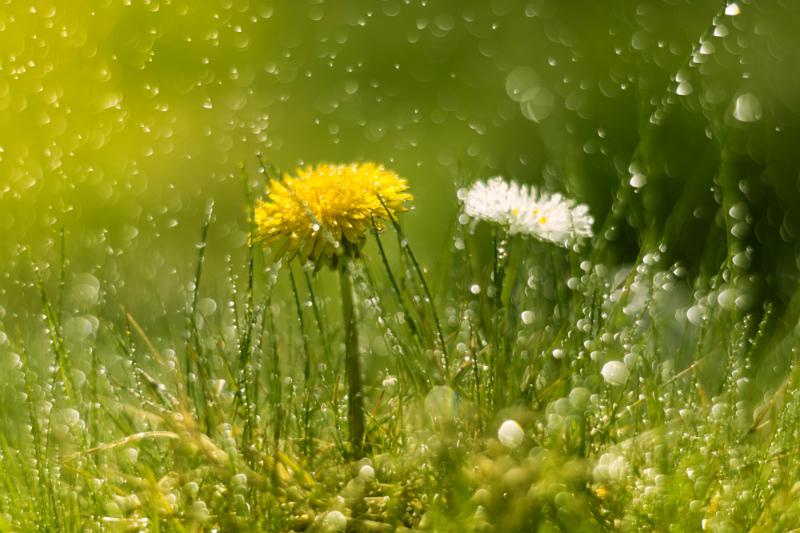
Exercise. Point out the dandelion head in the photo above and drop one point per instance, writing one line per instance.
(320, 211)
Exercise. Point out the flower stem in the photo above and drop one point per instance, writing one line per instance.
(355, 396)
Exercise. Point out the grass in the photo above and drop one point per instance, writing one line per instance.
(231, 408)
(238, 418)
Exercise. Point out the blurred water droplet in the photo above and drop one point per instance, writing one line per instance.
(741, 260)
(727, 298)
(615, 373)
(732, 9)
(696, 314)
(720, 30)
(747, 108)
(684, 88)
(207, 306)
(510, 434)
(537, 104)
(638, 181)
(744, 302)
(519, 81)
(441, 403)
(738, 211)
(740, 230)
(527, 317)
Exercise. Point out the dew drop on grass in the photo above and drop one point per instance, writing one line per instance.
(334, 521)
(366, 473)
(527, 317)
(537, 104)
(744, 302)
(684, 89)
(78, 378)
(615, 373)
(732, 9)
(130, 455)
(70, 416)
(738, 211)
(741, 260)
(510, 434)
(579, 397)
(441, 403)
(207, 306)
(727, 298)
(707, 48)
(78, 327)
(638, 180)
(15, 361)
(747, 108)
(519, 81)
(740, 230)
(719, 410)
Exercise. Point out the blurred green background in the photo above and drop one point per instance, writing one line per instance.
(675, 120)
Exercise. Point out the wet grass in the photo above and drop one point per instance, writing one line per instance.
(648, 381)
(237, 419)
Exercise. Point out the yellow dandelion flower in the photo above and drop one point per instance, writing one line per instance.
(326, 209)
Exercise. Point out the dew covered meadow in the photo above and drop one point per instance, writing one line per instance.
(400, 265)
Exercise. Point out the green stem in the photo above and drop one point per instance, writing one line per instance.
(306, 369)
(404, 246)
(355, 397)
(508, 312)
(499, 355)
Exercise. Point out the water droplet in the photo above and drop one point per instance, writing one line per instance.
(527, 317)
(741, 260)
(334, 521)
(510, 434)
(537, 104)
(696, 314)
(732, 9)
(207, 306)
(727, 298)
(519, 81)
(638, 181)
(366, 473)
(738, 211)
(744, 302)
(740, 230)
(707, 48)
(747, 108)
(441, 403)
(720, 30)
(615, 373)
(684, 88)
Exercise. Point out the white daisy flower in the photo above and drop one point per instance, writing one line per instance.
(523, 211)
(554, 218)
(492, 200)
